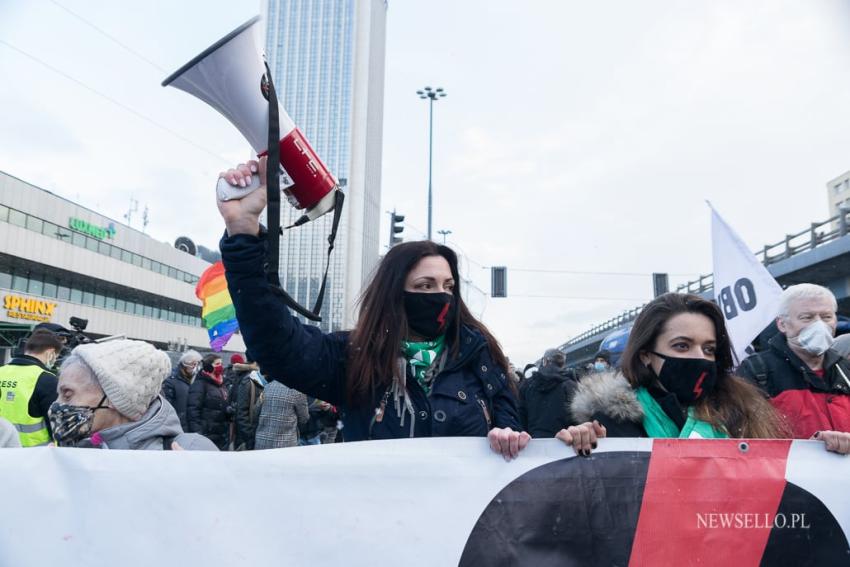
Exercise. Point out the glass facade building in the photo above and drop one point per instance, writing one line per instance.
(327, 60)
(59, 260)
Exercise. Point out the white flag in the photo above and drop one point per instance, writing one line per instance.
(743, 288)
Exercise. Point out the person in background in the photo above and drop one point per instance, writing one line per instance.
(247, 402)
(109, 399)
(676, 381)
(175, 389)
(8, 435)
(602, 361)
(207, 408)
(514, 373)
(29, 387)
(546, 396)
(232, 372)
(323, 419)
(807, 381)
(417, 362)
(284, 409)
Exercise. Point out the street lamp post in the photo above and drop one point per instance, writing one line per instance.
(431, 95)
(444, 233)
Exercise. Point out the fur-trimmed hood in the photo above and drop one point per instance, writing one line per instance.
(606, 393)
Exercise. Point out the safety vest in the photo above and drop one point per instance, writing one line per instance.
(17, 383)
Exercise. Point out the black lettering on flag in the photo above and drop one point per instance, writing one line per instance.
(739, 297)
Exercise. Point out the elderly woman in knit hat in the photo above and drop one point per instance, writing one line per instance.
(109, 398)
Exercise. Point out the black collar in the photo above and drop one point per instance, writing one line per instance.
(27, 360)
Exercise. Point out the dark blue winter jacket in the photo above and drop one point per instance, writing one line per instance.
(469, 397)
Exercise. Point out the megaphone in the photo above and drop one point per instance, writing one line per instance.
(231, 77)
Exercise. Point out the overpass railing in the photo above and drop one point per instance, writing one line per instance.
(817, 234)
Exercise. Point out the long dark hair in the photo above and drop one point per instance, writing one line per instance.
(735, 405)
(376, 339)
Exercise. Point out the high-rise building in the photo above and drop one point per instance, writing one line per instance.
(327, 61)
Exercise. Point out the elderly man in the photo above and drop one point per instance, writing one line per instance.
(807, 381)
(109, 399)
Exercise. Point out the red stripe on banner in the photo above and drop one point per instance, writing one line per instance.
(709, 502)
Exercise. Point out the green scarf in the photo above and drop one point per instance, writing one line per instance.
(658, 424)
(420, 357)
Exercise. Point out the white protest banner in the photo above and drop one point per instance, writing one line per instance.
(429, 502)
(745, 291)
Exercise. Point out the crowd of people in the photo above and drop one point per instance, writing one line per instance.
(124, 394)
(418, 364)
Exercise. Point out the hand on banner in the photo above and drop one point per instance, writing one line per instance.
(836, 441)
(508, 442)
(582, 437)
(242, 216)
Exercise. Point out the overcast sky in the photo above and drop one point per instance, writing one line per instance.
(576, 136)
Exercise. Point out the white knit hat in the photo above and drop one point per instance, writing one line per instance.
(130, 372)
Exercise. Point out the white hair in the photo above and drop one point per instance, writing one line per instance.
(803, 291)
(76, 361)
(190, 357)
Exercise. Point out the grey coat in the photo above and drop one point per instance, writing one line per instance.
(159, 422)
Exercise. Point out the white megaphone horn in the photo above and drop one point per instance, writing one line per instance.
(230, 76)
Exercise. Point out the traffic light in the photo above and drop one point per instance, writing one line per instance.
(498, 281)
(660, 284)
(395, 228)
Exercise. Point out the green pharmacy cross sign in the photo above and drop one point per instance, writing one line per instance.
(99, 232)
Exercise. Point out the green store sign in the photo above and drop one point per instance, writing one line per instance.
(99, 232)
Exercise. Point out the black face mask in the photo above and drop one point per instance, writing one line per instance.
(429, 314)
(688, 378)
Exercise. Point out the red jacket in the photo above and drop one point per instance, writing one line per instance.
(808, 402)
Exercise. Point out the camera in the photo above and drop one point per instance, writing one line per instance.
(78, 324)
(77, 336)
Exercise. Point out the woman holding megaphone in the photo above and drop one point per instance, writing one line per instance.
(417, 363)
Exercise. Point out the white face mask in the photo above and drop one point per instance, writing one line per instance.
(816, 338)
(51, 360)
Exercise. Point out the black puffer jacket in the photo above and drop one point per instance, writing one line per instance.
(469, 396)
(546, 397)
(207, 410)
(175, 389)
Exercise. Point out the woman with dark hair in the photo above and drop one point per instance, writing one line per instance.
(675, 381)
(416, 364)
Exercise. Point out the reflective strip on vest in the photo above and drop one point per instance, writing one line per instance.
(30, 428)
(17, 384)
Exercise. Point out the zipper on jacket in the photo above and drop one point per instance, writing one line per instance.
(484, 409)
(379, 412)
(846, 380)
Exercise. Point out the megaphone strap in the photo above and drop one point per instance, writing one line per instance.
(338, 201)
(273, 212)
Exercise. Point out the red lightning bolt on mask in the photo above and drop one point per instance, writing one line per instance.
(698, 386)
(441, 318)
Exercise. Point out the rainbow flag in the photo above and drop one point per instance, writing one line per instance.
(218, 313)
